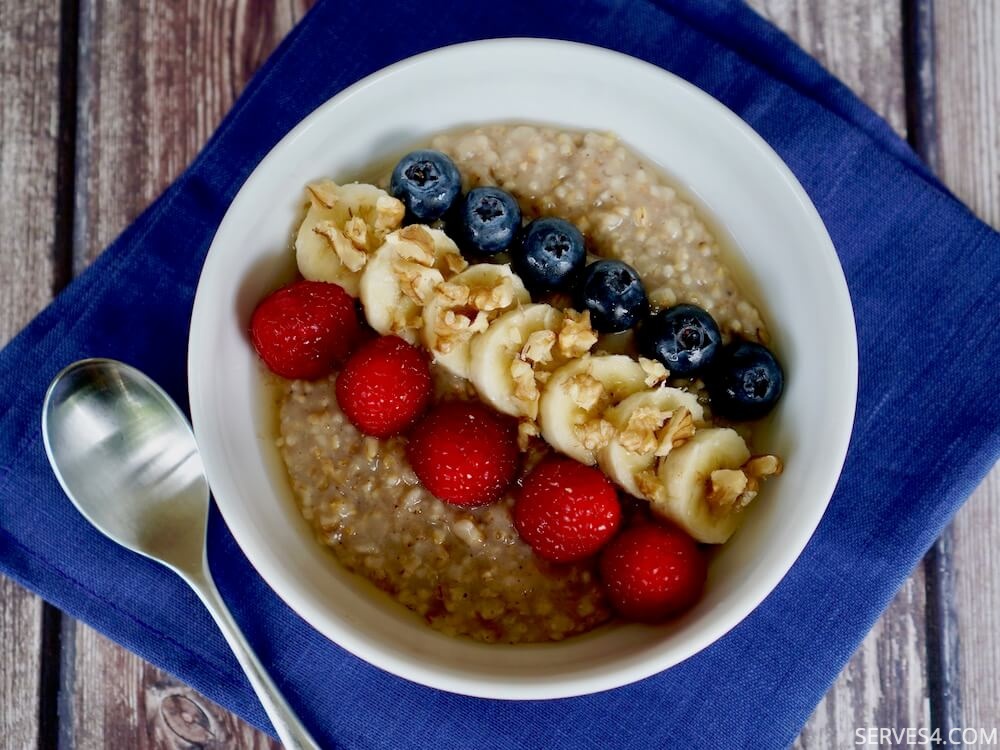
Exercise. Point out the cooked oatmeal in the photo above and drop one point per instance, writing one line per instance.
(624, 208)
(466, 571)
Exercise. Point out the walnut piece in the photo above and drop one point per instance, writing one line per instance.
(452, 329)
(526, 431)
(639, 435)
(656, 373)
(677, 431)
(649, 485)
(389, 213)
(576, 337)
(496, 297)
(323, 192)
(538, 348)
(352, 258)
(595, 433)
(757, 469)
(585, 390)
(525, 387)
(725, 486)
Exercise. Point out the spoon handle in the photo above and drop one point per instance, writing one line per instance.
(287, 725)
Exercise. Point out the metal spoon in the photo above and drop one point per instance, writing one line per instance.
(125, 454)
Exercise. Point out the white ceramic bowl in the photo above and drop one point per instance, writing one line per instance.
(748, 191)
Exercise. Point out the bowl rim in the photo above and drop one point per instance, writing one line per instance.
(420, 671)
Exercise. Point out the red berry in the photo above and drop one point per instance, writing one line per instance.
(653, 572)
(385, 386)
(464, 452)
(566, 511)
(305, 329)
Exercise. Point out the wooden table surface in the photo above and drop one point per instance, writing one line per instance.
(103, 103)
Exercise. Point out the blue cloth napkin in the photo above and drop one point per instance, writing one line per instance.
(923, 273)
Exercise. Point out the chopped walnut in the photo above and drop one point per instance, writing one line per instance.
(526, 430)
(388, 215)
(585, 390)
(595, 433)
(677, 431)
(725, 486)
(405, 317)
(639, 434)
(649, 485)
(656, 373)
(353, 258)
(323, 192)
(455, 263)
(451, 328)
(416, 280)
(418, 245)
(757, 469)
(576, 337)
(496, 297)
(538, 347)
(525, 387)
(454, 294)
(356, 230)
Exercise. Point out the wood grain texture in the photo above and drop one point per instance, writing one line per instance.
(120, 701)
(858, 40)
(20, 638)
(884, 684)
(29, 114)
(967, 85)
(155, 79)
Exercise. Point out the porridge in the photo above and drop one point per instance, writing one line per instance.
(625, 209)
(538, 419)
(465, 570)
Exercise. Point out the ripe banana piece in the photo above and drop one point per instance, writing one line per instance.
(685, 477)
(466, 305)
(496, 356)
(403, 275)
(577, 395)
(619, 459)
(343, 226)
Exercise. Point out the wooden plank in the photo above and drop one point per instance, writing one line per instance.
(20, 639)
(155, 79)
(967, 149)
(884, 683)
(29, 163)
(859, 41)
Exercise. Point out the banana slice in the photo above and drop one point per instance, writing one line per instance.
(502, 356)
(344, 225)
(577, 395)
(638, 423)
(403, 275)
(688, 477)
(466, 305)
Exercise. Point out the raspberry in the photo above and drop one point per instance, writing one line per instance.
(566, 511)
(303, 330)
(653, 572)
(464, 452)
(385, 386)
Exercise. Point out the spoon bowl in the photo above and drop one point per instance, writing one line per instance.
(125, 455)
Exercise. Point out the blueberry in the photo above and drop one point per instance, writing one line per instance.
(684, 338)
(550, 255)
(613, 293)
(488, 220)
(427, 182)
(746, 381)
